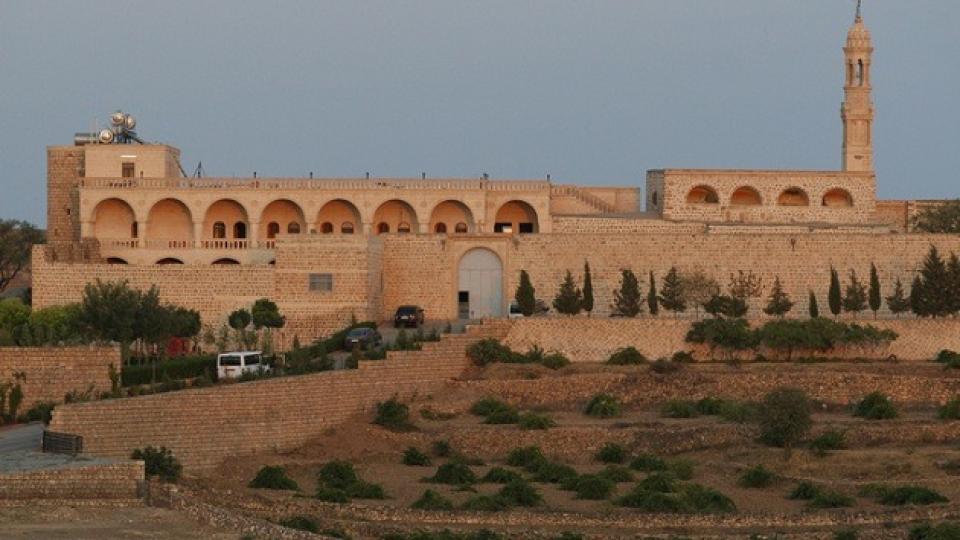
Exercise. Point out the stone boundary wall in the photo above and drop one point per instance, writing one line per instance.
(106, 482)
(204, 426)
(584, 339)
(51, 372)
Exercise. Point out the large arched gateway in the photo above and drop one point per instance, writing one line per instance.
(480, 285)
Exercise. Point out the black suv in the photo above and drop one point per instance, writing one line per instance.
(365, 338)
(408, 316)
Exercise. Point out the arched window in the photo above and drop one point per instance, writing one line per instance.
(745, 196)
(403, 227)
(860, 73)
(793, 197)
(115, 260)
(703, 195)
(134, 230)
(837, 197)
(326, 227)
(293, 228)
(240, 230)
(273, 229)
(383, 228)
(226, 261)
(346, 228)
(440, 228)
(461, 228)
(219, 230)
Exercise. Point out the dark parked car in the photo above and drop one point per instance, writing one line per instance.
(408, 316)
(365, 338)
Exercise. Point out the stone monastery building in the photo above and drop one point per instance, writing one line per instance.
(329, 249)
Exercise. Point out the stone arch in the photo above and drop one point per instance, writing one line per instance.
(396, 213)
(448, 214)
(480, 284)
(281, 212)
(226, 261)
(229, 212)
(746, 196)
(703, 195)
(169, 260)
(516, 217)
(273, 229)
(115, 219)
(337, 214)
(116, 260)
(837, 197)
(793, 196)
(171, 221)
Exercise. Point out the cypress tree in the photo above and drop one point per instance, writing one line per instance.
(916, 289)
(874, 292)
(526, 295)
(898, 302)
(855, 299)
(587, 289)
(672, 296)
(813, 307)
(569, 299)
(932, 299)
(834, 297)
(626, 300)
(653, 304)
(779, 303)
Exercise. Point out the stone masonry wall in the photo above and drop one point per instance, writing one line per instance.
(115, 482)
(52, 372)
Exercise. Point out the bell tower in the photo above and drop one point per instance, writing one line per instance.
(857, 110)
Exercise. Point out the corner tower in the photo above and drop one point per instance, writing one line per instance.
(857, 111)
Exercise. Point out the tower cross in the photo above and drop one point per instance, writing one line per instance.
(859, 9)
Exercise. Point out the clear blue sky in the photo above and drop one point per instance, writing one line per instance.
(591, 92)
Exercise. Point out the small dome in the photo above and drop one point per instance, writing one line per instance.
(859, 36)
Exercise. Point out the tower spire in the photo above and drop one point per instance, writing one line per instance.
(857, 111)
(859, 11)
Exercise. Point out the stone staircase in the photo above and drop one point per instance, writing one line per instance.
(586, 198)
(453, 347)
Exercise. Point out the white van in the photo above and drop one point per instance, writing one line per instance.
(234, 364)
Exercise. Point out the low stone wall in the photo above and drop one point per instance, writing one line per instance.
(99, 481)
(585, 339)
(204, 426)
(52, 372)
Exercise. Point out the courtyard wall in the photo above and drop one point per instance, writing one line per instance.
(52, 372)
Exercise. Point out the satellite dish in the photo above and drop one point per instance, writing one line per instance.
(106, 136)
(129, 121)
(118, 118)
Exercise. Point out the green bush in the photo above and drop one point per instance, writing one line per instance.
(682, 469)
(943, 531)
(527, 457)
(446, 534)
(454, 473)
(532, 421)
(902, 495)
(485, 503)
(140, 371)
(488, 406)
(756, 477)
(489, 351)
(709, 406)
(677, 499)
(616, 474)
(272, 478)
(676, 408)
(603, 406)
(876, 406)
(592, 487)
(682, 357)
(611, 453)
(331, 495)
(827, 442)
(503, 416)
(555, 360)
(828, 498)
(946, 356)
(415, 458)
(41, 411)
(628, 356)
(159, 462)
(648, 463)
(553, 473)
(441, 448)
(301, 523)
(393, 415)
(950, 411)
(664, 366)
(659, 482)
(520, 493)
(431, 500)
(731, 334)
(338, 475)
(846, 534)
(739, 412)
(499, 475)
(784, 417)
(366, 490)
(804, 491)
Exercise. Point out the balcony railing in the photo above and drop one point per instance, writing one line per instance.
(331, 184)
(166, 244)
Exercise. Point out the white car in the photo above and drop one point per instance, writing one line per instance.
(234, 364)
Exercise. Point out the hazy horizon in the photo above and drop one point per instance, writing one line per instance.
(592, 93)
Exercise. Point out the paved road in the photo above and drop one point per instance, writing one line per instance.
(21, 438)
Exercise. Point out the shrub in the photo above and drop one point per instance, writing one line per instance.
(331, 495)
(827, 442)
(431, 500)
(628, 356)
(186, 367)
(593, 488)
(485, 503)
(804, 491)
(950, 411)
(943, 531)
(679, 409)
(709, 406)
(682, 469)
(875, 406)
(366, 490)
(846, 534)
(731, 334)
(553, 473)
(648, 463)
(454, 473)
(784, 417)
(301, 523)
(616, 474)
(739, 412)
(520, 493)
(555, 360)
(272, 478)
(532, 421)
(903, 495)
(415, 458)
(664, 366)
(499, 475)
(828, 498)
(338, 475)
(690, 498)
(527, 457)
(42, 411)
(488, 406)
(707, 501)
(612, 453)
(756, 477)
(682, 357)
(603, 406)
(159, 462)
(393, 415)
(503, 416)
(488, 351)
(659, 482)
(441, 448)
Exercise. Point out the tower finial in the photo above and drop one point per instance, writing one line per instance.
(859, 10)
